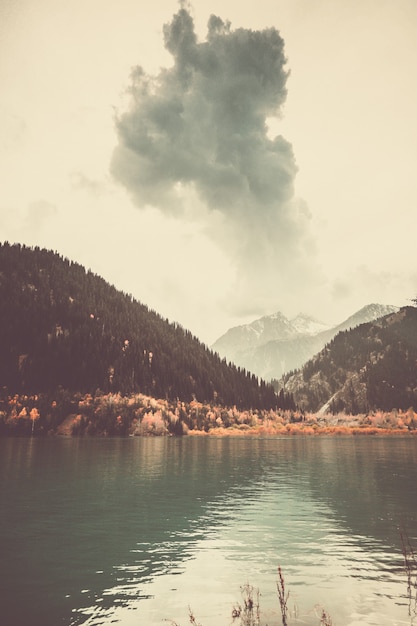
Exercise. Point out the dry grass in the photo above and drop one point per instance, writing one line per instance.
(248, 613)
(283, 596)
(410, 566)
(325, 619)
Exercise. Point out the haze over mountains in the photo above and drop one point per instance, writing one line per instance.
(274, 345)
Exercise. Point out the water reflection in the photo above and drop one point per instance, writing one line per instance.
(100, 531)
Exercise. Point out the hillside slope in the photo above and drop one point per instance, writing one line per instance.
(64, 327)
(372, 366)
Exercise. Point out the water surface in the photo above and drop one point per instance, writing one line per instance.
(133, 531)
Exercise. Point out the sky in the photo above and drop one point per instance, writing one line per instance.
(219, 161)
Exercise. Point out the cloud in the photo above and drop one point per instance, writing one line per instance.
(199, 129)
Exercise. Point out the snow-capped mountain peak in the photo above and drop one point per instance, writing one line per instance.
(273, 344)
(248, 336)
(307, 325)
(367, 313)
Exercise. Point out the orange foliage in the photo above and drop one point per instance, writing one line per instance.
(34, 414)
(144, 415)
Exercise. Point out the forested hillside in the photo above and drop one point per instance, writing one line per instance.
(373, 366)
(63, 327)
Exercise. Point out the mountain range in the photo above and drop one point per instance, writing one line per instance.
(66, 333)
(274, 345)
(372, 366)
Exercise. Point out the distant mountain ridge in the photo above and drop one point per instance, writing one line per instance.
(371, 366)
(274, 345)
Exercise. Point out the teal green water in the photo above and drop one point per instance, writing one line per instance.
(134, 531)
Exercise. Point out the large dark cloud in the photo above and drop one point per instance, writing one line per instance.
(201, 126)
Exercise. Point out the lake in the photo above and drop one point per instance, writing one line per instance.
(134, 531)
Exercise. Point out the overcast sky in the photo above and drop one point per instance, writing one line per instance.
(219, 161)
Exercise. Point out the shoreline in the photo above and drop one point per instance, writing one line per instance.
(339, 431)
(111, 414)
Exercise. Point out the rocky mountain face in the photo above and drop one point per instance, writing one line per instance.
(371, 366)
(274, 345)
